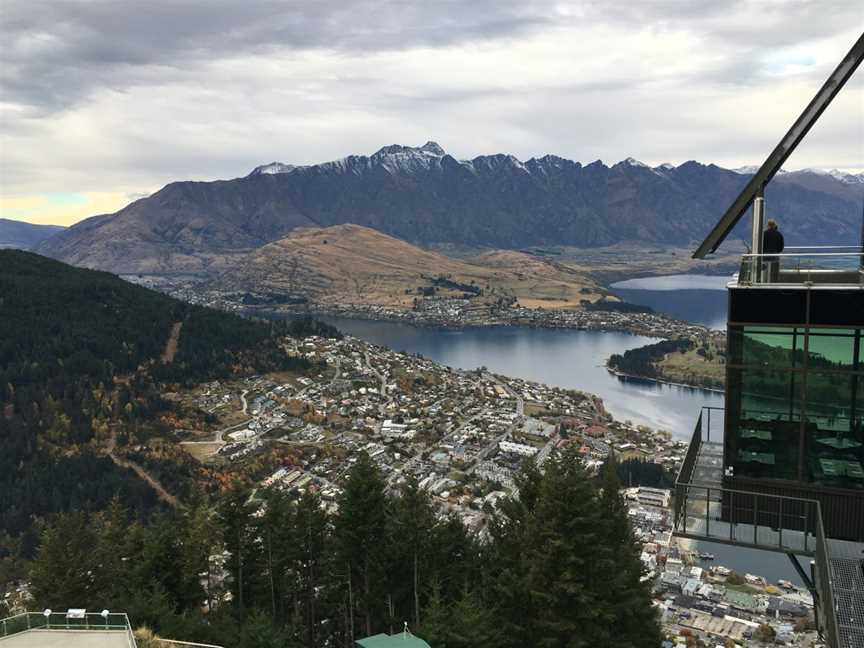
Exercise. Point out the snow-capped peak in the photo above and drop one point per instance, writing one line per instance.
(746, 170)
(432, 148)
(634, 162)
(272, 169)
(666, 166)
(847, 177)
(408, 158)
(815, 171)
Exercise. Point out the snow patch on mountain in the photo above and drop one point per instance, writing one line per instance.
(273, 168)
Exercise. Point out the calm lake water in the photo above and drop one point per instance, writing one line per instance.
(694, 298)
(575, 359)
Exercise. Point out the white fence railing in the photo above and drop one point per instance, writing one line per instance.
(86, 621)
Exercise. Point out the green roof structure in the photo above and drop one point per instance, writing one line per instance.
(401, 640)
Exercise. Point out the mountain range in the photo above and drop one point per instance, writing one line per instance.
(427, 197)
(24, 236)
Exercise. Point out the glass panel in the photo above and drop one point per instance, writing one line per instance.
(765, 347)
(832, 349)
(766, 415)
(833, 430)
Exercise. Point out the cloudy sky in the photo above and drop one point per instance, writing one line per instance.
(102, 102)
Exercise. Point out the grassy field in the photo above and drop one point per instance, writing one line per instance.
(202, 450)
(706, 368)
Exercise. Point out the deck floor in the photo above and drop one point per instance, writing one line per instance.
(66, 639)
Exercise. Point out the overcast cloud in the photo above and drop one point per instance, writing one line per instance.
(104, 100)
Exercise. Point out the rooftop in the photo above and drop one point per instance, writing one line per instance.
(71, 629)
(67, 639)
(401, 640)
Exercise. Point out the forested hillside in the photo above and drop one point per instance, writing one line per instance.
(560, 568)
(82, 358)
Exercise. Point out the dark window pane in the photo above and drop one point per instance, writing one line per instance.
(833, 430)
(765, 347)
(764, 424)
(831, 349)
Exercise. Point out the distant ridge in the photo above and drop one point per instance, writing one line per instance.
(25, 236)
(425, 196)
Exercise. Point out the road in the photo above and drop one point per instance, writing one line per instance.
(382, 408)
(338, 373)
(520, 402)
(172, 343)
(163, 494)
(218, 435)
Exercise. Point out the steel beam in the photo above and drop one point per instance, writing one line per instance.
(784, 149)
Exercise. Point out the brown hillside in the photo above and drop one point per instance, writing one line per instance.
(354, 264)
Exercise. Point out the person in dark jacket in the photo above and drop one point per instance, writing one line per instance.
(772, 243)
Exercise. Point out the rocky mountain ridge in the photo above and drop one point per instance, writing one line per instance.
(425, 196)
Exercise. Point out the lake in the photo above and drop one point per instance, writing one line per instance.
(693, 298)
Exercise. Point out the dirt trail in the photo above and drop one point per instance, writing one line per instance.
(171, 345)
(163, 494)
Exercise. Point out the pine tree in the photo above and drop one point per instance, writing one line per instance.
(111, 557)
(62, 574)
(235, 518)
(564, 566)
(313, 557)
(360, 534)
(463, 623)
(629, 597)
(412, 524)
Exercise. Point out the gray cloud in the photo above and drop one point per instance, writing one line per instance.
(55, 53)
(123, 95)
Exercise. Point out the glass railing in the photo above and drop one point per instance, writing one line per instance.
(88, 621)
(796, 266)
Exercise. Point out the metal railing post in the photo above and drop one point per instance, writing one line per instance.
(780, 525)
(755, 519)
(707, 512)
(731, 514)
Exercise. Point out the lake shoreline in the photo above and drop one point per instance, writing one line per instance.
(653, 325)
(671, 383)
(593, 321)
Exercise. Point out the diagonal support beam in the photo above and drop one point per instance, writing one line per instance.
(808, 582)
(784, 149)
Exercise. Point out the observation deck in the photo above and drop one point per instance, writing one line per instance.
(707, 508)
(67, 630)
(832, 266)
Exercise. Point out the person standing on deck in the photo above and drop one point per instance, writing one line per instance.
(772, 243)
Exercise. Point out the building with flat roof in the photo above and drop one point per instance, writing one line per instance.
(401, 640)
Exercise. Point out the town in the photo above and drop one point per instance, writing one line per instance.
(464, 436)
(437, 311)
